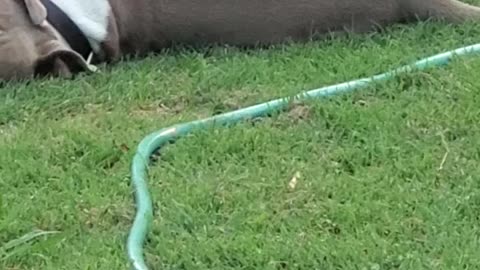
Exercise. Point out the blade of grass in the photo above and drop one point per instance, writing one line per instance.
(15, 243)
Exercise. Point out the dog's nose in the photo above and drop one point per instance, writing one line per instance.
(17, 56)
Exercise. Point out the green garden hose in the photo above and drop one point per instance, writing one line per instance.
(154, 141)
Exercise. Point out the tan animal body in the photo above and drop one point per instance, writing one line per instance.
(57, 37)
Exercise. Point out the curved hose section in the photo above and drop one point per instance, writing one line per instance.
(154, 141)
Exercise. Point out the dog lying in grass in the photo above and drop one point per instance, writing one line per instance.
(64, 37)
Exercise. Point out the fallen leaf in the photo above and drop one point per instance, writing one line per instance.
(293, 183)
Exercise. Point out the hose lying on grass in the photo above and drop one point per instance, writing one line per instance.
(154, 141)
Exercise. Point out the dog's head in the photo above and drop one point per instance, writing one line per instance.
(30, 46)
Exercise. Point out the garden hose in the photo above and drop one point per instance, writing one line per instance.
(153, 142)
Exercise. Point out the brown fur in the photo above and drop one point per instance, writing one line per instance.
(256, 22)
(143, 26)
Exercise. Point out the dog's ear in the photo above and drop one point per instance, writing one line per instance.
(37, 11)
(59, 60)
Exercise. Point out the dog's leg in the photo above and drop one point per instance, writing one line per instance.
(448, 10)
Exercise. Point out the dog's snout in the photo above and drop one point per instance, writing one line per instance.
(17, 57)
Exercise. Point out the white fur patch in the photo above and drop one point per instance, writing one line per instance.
(91, 16)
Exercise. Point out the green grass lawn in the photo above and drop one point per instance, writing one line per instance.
(389, 176)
